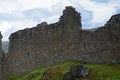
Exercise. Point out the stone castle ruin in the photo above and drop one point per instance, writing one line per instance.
(46, 45)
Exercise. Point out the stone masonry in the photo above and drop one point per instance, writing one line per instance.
(1, 54)
(46, 45)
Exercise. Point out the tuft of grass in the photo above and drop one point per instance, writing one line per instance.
(56, 72)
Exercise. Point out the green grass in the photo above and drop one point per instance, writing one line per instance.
(97, 72)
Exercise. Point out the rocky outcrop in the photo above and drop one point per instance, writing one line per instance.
(77, 72)
(46, 45)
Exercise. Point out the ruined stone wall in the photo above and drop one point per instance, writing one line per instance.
(46, 45)
(38, 46)
(0, 56)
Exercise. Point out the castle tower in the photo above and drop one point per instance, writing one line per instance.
(71, 23)
(71, 17)
(72, 28)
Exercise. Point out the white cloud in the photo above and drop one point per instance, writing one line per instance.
(4, 26)
(51, 19)
(20, 5)
(30, 4)
(18, 21)
(8, 6)
(101, 11)
(28, 13)
(17, 15)
(8, 28)
(23, 24)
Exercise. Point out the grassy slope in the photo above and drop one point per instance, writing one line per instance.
(97, 72)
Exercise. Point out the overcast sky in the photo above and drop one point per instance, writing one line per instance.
(20, 14)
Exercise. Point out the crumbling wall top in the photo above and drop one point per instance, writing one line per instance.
(70, 17)
(113, 21)
(0, 35)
